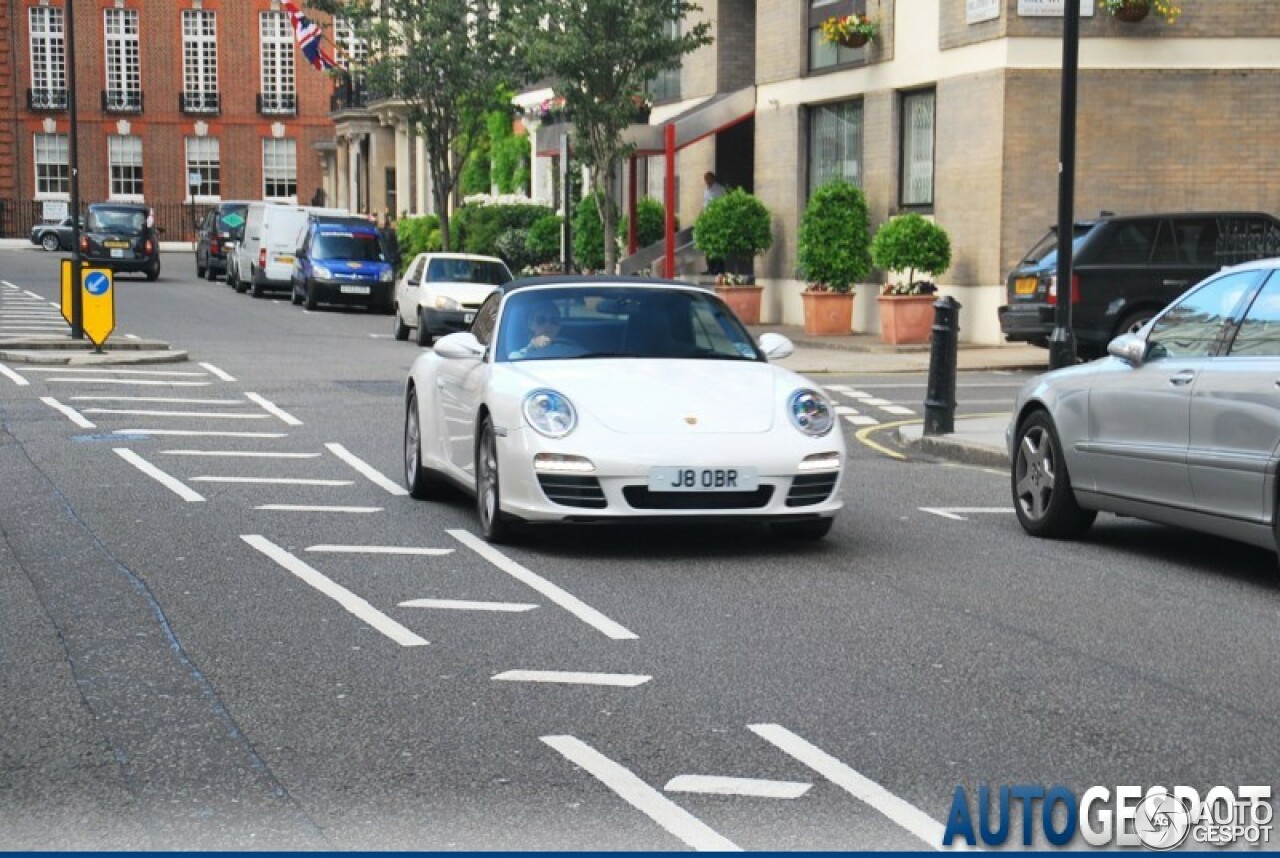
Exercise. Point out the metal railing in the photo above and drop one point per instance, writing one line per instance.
(121, 101)
(46, 99)
(200, 102)
(177, 219)
(277, 104)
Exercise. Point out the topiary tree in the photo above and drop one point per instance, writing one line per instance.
(734, 227)
(911, 243)
(835, 238)
(651, 222)
(543, 240)
(588, 234)
(417, 235)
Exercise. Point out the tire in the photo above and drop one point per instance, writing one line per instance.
(423, 483)
(295, 297)
(256, 289)
(424, 333)
(494, 524)
(200, 269)
(1133, 321)
(49, 241)
(153, 272)
(309, 299)
(1041, 486)
(240, 285)
(399, 330)
(811, 529)
(210, 274)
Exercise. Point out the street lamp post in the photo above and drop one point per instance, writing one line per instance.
(77, 300)
(193, 183)
(1062, 343)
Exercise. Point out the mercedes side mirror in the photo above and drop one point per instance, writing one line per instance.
(1130, 348)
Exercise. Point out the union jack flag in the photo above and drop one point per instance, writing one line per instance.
(310, 38)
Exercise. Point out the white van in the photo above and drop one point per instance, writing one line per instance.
(272, 232)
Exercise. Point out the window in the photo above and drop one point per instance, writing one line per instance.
(276, 37)
(1128, 243)
(280, 169)
(835, 143)
(666, 85)
(824, 54)
(203, 158)
(53, 167)
(199, 61)
(125, 155)
(124, 74)
(48, 59)
(1193, 326)
(917, 148)
(352, 50)
(1259, 334)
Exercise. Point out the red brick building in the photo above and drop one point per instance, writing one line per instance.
(166, 90)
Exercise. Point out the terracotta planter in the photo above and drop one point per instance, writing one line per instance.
(744, 301)
(828, 314)
(906, 319)
(857, 40)
(1133, 12)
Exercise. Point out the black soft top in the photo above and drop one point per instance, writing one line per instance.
(598, 279)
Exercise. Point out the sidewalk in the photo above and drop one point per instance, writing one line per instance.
(975, 441)
(61, 350)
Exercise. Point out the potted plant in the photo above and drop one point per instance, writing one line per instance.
(1133, 11)
(909, 243)
(833, 253)
(852, 31)
(736, 227)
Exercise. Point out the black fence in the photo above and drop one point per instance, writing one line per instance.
(178, 220)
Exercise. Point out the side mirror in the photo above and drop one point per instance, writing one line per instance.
(775, 346)
(460, 346)
(1130, 348)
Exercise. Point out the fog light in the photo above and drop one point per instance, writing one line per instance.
(820, 462)
(558, 463)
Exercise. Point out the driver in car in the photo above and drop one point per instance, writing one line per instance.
(544, 324)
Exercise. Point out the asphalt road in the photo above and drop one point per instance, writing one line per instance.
(197, 664)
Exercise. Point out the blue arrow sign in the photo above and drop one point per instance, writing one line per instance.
(96, 283)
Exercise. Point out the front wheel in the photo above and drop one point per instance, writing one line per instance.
(309, 296)
(1042, 495)
(50, 242)
(400, 330)
(1134, 322)
(424, 333)
(494, 525)
(422, 483)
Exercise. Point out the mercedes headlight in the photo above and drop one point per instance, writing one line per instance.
(810, 412)
(444, 302)
(322, 272)
(550, 413)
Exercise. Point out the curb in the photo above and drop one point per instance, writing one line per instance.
(956, 450)
(49, 357)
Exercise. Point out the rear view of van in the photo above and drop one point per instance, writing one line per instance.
(271, 247)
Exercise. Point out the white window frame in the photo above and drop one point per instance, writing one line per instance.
(124, 152)
(279, 165)
(48, 48)
(919, 131)
(353, 51)
(52, 150)
(278, 76)
(200, 53)
(204, 156)
(123, 52)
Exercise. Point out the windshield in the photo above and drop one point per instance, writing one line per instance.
(119, 221)
(357, 247)
(620, 322)
(467, 271)
(1045, 252)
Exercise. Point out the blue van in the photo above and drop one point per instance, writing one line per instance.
(340, 261)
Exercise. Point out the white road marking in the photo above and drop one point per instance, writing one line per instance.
(141, 382)
(380, 336)
(844, 409)
(219, 415)
(247, 454)
(215, 371)
(569, 602)
(958, 513)
(274, 410)
(861, 421)
(676, 820)
(858, 394)
(169, 399)
(70, 413)
(10, 285)
(366, 469)
(381, 549)
(112, 371)
(901, 812)
(465, 605)
(273, 481)
(897, 409)
(568, 677)
(33, 294)
(344, 597)
(199, 433)
(879, 403)
(753, 787)
(132, 337)
(13, 376)
(839, 388)
(171, 483)
(290, 507)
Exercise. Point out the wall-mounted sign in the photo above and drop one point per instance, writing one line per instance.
(977, 11)
(1051, 8)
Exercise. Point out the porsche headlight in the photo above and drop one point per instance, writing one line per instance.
(444, 302)
(550, 413)
(322, 272)
(810, 412)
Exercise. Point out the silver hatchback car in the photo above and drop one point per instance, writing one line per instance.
(1180, 424)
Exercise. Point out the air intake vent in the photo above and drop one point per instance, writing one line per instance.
(809, 489)
(576, 491)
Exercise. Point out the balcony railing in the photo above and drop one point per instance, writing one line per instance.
(121, 101)
(349, 95)
(277, 104)
(46, 99)
(200, 102)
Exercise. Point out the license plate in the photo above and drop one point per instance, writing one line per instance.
(117, 253)
(1025, 285)
(468, 318)
(354, 290)
(115, 244)
(284, 260)
(681, 479)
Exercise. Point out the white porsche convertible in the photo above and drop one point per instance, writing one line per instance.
(576, 399)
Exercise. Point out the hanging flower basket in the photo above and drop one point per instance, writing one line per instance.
(855, 40)
(1132, 13)
(851, 31)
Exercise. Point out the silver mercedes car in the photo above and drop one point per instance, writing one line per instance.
(1180, 424)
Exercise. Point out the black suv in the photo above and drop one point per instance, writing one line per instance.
(1125, 269)
(221, 227)
(122, 237)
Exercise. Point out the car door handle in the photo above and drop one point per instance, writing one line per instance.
(1176, 282)
(1183, 378)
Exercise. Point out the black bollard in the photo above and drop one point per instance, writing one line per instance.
(940, 399)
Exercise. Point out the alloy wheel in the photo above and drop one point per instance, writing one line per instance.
(1035, 474)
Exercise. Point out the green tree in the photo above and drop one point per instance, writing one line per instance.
(911, 243)
(734, 227)
(835, 237)
(651, 222)
(602, 53)
(590, 249)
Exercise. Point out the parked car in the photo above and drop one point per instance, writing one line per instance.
(55, 236)
(264, 255)
(441, 292)
(1180, 424)
(558, 406)
(1126, 269)
(220, 229)
(340, 261)
(122, 237)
